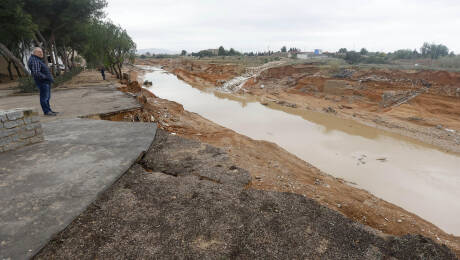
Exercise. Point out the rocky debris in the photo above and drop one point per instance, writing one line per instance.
(344, 73)
(234, 84)
(329, 110)
(132, 87)
(389, 98)
(286, 104)
(147, 83)
(394, 99)
(375, 78)
(150, 214)
(415, 118)
(345, 107)
(309, 89)
(178, 156)
(291, 81)
(362, 160)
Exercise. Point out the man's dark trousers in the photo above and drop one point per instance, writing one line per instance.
(45, 95)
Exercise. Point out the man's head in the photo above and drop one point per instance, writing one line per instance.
(38, 52)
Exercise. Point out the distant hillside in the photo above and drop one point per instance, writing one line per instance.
(156, 51)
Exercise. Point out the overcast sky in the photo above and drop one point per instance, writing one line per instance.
(256, 25)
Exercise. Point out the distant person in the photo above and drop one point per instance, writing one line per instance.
(43, 80)
(103, 72)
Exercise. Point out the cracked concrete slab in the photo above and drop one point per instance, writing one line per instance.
(43, 187)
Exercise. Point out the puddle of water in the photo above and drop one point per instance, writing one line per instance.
(408, 173)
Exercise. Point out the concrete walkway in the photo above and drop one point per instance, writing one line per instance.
(75, 102)
(43, 187)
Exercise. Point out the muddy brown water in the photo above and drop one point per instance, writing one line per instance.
(415, 176)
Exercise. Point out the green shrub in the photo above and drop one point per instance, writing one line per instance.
(66, 76)
(374, 59)
(451, 62)
(27, 85)
(334, 66)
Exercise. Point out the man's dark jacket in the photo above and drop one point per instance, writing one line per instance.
(39, 71)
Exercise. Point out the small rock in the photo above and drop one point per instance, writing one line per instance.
(399, 221)
(329, 110)
(438, 126)
(339, 205)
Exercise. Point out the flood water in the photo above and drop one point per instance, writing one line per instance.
(415, 176)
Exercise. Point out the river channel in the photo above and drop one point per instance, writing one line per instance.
(415, 176)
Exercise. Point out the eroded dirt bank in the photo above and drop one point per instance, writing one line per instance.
(188, 200)
(272, 168)
(420, 104)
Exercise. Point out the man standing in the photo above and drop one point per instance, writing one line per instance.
(43, 80)
(103, 72)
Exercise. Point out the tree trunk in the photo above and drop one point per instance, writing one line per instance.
(56, 57)
(115, 70)
(9, 70)
(11, 57)
(119, 71)
(17, 70)
(53, 57)
(72, 59)
(44, 47)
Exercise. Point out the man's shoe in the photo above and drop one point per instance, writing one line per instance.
(55, 112)
(50, 114)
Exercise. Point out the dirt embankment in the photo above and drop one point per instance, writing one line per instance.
(197, 73)
(420, 104)
(274, 169)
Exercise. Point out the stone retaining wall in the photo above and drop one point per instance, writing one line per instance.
(19, 127)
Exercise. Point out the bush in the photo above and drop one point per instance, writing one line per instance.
(353, 57)
(27, 85)
(334, 66)
(66, 76)
(449, 62)
(374, 59)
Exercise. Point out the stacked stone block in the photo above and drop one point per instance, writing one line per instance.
(19, 127)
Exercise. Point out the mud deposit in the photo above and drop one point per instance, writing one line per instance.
(408, 173)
